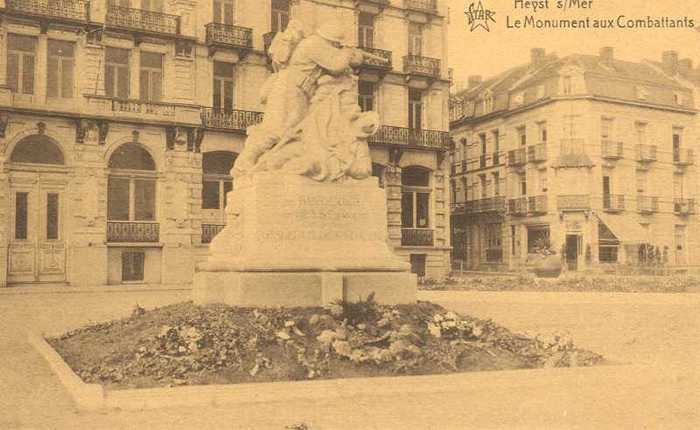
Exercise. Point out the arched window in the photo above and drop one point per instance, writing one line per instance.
(131, 194)
(217, 181)
(37, 149)
(415, 197)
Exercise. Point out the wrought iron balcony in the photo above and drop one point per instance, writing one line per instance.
(223, 119)
(402, 136)
(574, 202)
(613, 202)
(537, 153)
(231, 36)
(683, 157)
(141, 20)
(429, 6)
(72, 10)
(209, 231)
(423, 66)
(537, 204)
(417, 237)
(611, 149)
(517, 207)
(132, 231)
(684, 207)
(646, 153)
(488, 205)
(377, 64)
(647, 204)
(516, 157)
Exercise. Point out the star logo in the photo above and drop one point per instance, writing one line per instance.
(478, 16)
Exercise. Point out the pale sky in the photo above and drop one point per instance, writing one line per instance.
(488, 53)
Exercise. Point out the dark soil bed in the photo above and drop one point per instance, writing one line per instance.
(185, 344)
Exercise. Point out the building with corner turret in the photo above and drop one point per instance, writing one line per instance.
(591, 155)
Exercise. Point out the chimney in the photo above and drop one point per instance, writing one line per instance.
(607, 55)
(537, 56)
(474, 80)
(670, 62)
(685, 67)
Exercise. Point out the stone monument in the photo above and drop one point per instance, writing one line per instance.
(306, 221)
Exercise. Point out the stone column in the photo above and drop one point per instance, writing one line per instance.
(87, 223)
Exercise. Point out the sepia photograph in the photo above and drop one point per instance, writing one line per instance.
(349, 214)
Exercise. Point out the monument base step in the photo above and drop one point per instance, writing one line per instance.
(302, 289)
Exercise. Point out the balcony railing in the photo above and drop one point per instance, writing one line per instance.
(377, 64)
(418, 65)
(224, 119)
(537, 153)
(646, 153)
(209, 231)
(516, 157)
(78, 10)
(487, 205)
(142, 20)
(417, 237)
(537, 205)
(429, 6)
(613, 202)
(647, 204)
(611, 149)
(574, 202)
(684, 206)
(136, 232)
(229, 35)
(518, 207)
(402, 136)
(683, 157)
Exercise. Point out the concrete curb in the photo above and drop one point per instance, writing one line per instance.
(91, 396)
(87, 396)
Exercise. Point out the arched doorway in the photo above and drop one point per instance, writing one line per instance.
(216, 184)
(37, 245)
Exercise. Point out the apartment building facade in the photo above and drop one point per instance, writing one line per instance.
(589, 155)
(120, 121)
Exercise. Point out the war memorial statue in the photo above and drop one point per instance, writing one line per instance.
(306, 221)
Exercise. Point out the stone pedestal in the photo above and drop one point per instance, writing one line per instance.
(292, 241)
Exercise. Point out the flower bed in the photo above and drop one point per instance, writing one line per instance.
(604, 283)
(185, 344)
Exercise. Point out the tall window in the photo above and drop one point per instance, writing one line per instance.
(131, 190)
(151, 76)
(678, 186)
(365, 35)
(21, 216)
(483, 186)
(415, 39)
(61, 62)
(415, 109)
(217, 178)
(280, 15)
(366, 95)
(567, 85)
(679, 239)
(496, 142)
(606, 129)
(117, 73)
(223, 12)
(482, 142)
(496, 184)
(21, 58)
(522, 136)
(223, 86)
(415, 198)
(152, 5)
(677, 143)
(641, 132)
(542, 131)
(523, 184)
(570, 133)
(641, 181)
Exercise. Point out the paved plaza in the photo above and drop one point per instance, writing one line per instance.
(658, 333)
